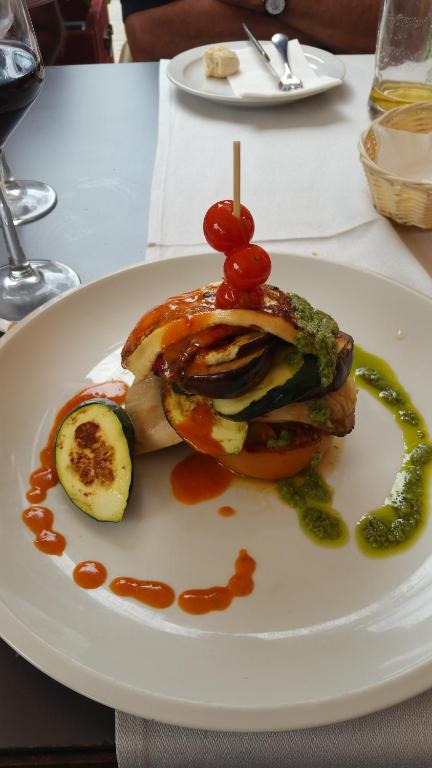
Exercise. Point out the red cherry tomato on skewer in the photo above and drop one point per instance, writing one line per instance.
(228, 297)
(223, 231)
(247, 267)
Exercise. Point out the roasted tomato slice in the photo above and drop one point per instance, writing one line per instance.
(266, 457)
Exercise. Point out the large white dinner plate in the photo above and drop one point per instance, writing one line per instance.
(186, 71)
(327, 633)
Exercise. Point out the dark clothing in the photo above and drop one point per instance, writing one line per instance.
(132, 6)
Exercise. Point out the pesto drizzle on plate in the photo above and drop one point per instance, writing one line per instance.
(396, 524)
(311, 497)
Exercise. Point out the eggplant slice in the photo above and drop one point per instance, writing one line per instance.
(341, 373)
(232, 378)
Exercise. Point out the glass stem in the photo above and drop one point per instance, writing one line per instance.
(18, 262)
(6, 172)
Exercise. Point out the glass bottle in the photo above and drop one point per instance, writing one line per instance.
(403, 58)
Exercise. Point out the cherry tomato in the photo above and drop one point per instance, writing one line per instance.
(228, 297)
(247, 267)
(223, 231)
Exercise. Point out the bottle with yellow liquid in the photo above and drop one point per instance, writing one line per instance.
(403, 59)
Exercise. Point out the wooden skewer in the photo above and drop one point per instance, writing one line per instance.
(236, 178)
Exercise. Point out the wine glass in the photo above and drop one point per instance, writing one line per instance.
(28, 200)
(24, 285)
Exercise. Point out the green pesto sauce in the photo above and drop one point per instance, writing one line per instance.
(311, 497)
(319, 414)
(284, 439)
(396, 524)
(316, 336)
(293, 357)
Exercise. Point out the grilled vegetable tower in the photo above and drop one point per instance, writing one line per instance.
(241, 370)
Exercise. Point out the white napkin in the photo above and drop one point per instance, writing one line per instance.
(254, 79)
(404, 153)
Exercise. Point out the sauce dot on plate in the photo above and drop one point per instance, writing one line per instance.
(199, 477)
(226, 511)
(90, 574)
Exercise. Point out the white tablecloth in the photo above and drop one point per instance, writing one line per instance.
(301, 179)
(303, 182)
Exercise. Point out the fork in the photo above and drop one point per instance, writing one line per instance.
(288, 81)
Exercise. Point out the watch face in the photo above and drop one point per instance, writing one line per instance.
(274, 7)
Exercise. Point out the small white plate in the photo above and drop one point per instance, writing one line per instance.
(326, 635)
(187, 72)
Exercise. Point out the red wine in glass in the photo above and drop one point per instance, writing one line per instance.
(24, 285)
(21, 78)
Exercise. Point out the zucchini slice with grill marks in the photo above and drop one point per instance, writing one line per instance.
(287, 381)
(194, 419)
(93, 458)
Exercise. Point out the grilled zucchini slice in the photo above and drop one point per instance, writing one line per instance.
(194, 419)
(93, 458)
(287, 381)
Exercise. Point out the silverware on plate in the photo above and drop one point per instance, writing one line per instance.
(288, 82)
(257, 45)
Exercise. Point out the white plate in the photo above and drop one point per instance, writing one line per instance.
(326, 635)
(186, 71)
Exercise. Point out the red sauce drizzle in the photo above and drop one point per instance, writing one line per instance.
(195, 478)
(45, 476)
(90, 574)
(197, 429)
(153, 593)
(40, 521)
(198, 601)
(199, 477)
(226, 511)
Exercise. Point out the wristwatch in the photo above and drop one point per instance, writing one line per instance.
(274, 7)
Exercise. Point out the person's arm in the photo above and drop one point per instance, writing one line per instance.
(163, 32)
(345, 26)
(48, 26)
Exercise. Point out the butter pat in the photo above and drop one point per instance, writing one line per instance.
(219, 61)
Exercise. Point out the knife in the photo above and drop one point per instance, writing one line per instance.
(257, 45)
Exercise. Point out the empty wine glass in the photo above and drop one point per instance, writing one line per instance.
(24, 285)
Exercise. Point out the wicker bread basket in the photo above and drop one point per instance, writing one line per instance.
(404, 200)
